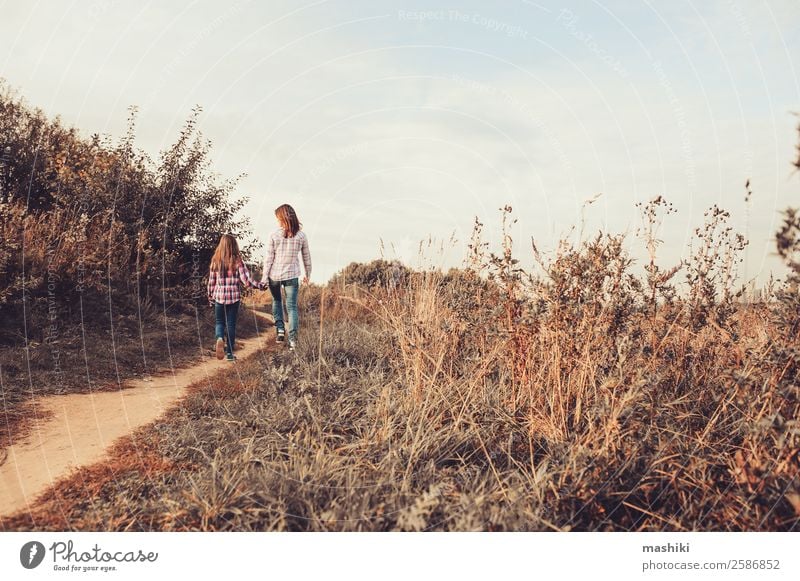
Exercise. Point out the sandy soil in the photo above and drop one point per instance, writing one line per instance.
(81, 427)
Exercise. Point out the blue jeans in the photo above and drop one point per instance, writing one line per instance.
(225, 316)
(291, 285)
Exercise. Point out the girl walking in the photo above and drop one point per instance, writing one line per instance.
(226, 272)
(282, 270)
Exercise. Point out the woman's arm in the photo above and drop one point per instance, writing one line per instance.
(268, 260)
(306, 257)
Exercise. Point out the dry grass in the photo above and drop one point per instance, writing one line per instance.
(137, 459)
(425, 413)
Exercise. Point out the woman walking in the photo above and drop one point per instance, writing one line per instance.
(282, 270)
(226, 272)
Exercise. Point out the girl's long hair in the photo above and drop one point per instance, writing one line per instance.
(288, 220)
(226, 257)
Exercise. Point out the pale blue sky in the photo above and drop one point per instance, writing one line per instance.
(397, 121)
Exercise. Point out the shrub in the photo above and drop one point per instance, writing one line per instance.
(378, 273)
(87, 218)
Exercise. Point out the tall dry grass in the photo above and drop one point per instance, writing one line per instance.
(647, 409)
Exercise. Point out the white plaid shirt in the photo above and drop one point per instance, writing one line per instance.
(281, 262)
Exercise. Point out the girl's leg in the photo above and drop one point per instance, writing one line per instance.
(219, 320)
(219, 329)
(231, 312)
(277, 304)
(292, 287)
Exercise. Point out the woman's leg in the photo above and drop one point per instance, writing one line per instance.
(292, 287)
(277, 304)
(231, 312)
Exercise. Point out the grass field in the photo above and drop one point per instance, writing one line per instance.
(459, 402)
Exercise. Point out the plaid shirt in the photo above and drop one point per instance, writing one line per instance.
(225, 289)
(281, 262)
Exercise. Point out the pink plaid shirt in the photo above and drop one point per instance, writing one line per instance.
(281, 262)
(225, 289)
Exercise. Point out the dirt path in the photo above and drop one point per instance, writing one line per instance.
(82, 426)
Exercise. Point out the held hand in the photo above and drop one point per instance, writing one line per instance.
(305, 280)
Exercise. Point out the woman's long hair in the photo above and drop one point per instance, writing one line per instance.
(226, 257)
(288, 220)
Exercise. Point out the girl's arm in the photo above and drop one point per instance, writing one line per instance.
(244, 276)
(268, 260)
(212, 282)
(306, 257)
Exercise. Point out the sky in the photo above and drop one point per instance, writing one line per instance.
(392, 126)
